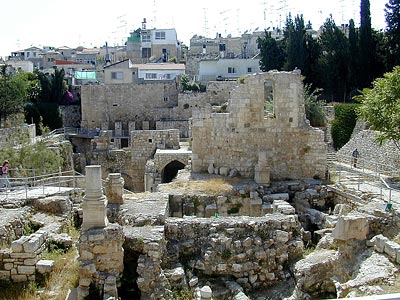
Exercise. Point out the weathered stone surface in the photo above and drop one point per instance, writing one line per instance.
(205, 292)
(44, 266)
(351, 226)
(57, 205)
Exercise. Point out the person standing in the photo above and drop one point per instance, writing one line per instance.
(355, 155)
(4, 175)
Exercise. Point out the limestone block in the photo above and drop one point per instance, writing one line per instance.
(341, 209)
(205, 292)
(8, 266)
(273, 197)
(331, 221)
(16, 245)
(256, 207)
(19, 278)
(224, 171)
(44, 266)
(281, 236)
(31, 261)
(32, 244)
(26, 270)
(391, 249)
(351, 226)
(211, 169)
(267, 208)
(193, 281)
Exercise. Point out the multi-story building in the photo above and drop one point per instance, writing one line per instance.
(156, 45)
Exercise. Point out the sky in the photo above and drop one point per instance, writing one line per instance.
(91, 23)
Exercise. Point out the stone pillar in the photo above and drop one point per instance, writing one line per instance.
(115, 188)
(94, 202)
(262, 170)
(101, 262)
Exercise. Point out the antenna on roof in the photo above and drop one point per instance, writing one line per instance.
(107, 58)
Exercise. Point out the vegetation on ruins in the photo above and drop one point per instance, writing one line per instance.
(65, 275)
(13, 92)
(343, 59)
(187, 85)
(315, 111)
(343, 123)
(380, 106)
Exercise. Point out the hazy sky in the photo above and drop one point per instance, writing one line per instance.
(90, 23)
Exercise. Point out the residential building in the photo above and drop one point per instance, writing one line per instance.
(156, 45)
(23, 65)
(125, 72)
(225, 69)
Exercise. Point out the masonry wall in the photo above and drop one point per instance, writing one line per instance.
(103, 105)
(254, 251)
(294, 149)
(143, 147)
(373, 156)
(71, 115)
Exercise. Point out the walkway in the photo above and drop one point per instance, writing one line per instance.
(366, 184)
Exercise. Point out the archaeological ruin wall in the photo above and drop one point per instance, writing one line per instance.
(265, 128)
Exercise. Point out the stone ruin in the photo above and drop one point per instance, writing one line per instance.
(265, 129)
(240, 243)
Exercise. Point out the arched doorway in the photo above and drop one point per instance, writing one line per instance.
(171, 170)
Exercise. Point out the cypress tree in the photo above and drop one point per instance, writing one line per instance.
(367, 49)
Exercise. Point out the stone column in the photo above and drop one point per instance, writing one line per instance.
(94, 202)
(115, 188)
(262, 170)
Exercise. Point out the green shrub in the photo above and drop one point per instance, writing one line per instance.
(315, 111)
(343, 124)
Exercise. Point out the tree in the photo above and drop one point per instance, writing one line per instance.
(295, 43)
(353, 57)
(392, 13)
(271, 53)
(367, 49)
(58, 86)
(380, 106)
(333, 63)
(13, 92)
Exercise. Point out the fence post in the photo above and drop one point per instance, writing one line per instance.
(59, 178)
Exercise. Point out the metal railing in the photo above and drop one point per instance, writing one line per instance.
(363, 171)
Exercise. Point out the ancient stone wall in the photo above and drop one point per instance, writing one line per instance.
(71, 115)
(13, 135)
(18, 264)
(105, 104)
(144, 146)
(252, 250)
(373, 156)
(293, 148)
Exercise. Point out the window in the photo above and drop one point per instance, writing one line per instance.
(146, 52)
(27, 54)
(231, 70)
(151, 76)
(160, 35)
(146, 38)
(249, 70)
(268, 98)
(117, 75)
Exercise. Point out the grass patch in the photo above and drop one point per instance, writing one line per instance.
(64, 276)
(212, 186)
(183, 294)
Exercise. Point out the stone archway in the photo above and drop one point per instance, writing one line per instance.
(171, 170)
